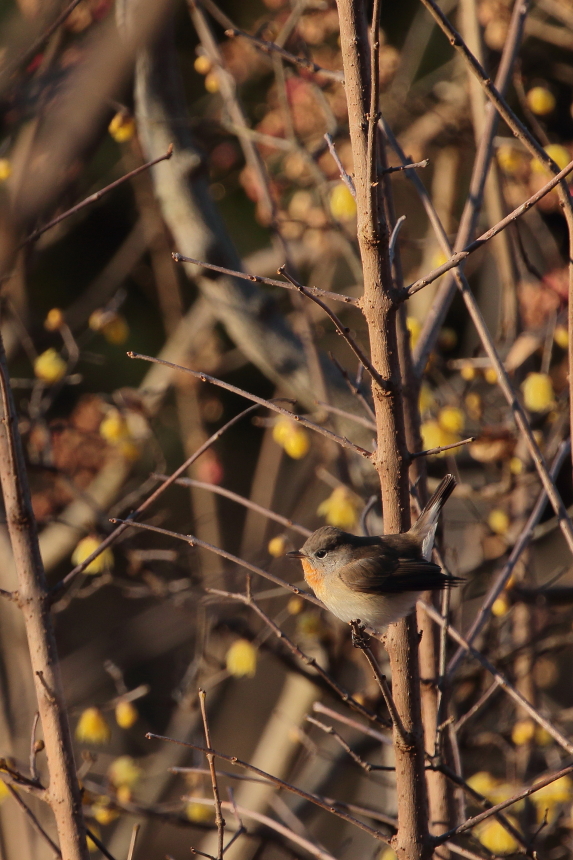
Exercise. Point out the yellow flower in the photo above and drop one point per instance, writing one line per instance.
(561, 336)
(49, 366)
(438, 259)
(510, 159)
(541, 101)
(202, 65)
(500, 606)
(124, 771)
(388, 854)
(295, 605)
(5, 169)
(123, 794)
(468, 373)
(291, 437)
(558, 791)
(113, 427)
(523, 732)
(54, 320)
(122, 127)
(126, 714)
(498, 521)
(451, 419)
(92, 727)
(242, 659)
(212, 82)
(426, 400)
(490, 375)
(342, 203)
(200, 813)
(103, 811)
(115, 330)
(340, 509)
(434, 436)
(473, 405)
(90, 843)
(277, 546)
(516, 466)
(496, 838)
(89, 544)
(415, 328)
(483, 782)
(559, 154)
(538, 394)
(548, 799)
(4, 793)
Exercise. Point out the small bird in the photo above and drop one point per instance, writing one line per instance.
(376, 580)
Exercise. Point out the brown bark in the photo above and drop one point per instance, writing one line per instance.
(63, 793)
(391, 459)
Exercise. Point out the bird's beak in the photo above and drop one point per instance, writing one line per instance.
(295, 553)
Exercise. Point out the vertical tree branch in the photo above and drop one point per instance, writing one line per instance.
(63, 793)
(390, 458)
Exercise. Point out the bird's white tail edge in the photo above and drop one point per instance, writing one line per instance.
(427, 522)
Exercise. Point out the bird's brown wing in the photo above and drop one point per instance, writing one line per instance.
(388, 573)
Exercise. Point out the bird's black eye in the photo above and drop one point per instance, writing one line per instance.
(321, 553)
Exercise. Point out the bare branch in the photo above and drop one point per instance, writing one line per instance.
(93, 198)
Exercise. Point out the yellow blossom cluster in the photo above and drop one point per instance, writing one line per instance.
(292, 438)
(340, 509)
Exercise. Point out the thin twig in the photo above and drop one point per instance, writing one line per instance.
(204, 377)
(478, 243)
(520, 545)
(309, 846)
(33, 820)
(312, 798)
(219, 820)
(309, 661)
(99, 844)
(353, 386)
(501, 679)
(346, 178)
(329, 730)
(195, 541)
(58, 588)
(33, 750)
(400, 167)
(273, 48)
(341, 328)
(319, 708)
(241, 500)
(360, 640)
(477, 819)
(259, 279)
(431, 451)
(134, 835)
(93, 198)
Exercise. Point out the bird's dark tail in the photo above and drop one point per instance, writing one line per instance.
(425, 526)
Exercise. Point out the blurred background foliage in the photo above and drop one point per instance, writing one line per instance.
(102, 282)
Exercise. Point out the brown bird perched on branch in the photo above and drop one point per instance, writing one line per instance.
(376, 580)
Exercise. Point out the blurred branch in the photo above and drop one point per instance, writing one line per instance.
(501, 679)
(241, 500)
(97, 195)
(33, 820)
(311, 798)
(309, 661)
(204, 377)
(460, 256)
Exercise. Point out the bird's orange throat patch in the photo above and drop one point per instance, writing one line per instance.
(312, 576)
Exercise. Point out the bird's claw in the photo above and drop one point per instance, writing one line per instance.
(360, 639)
